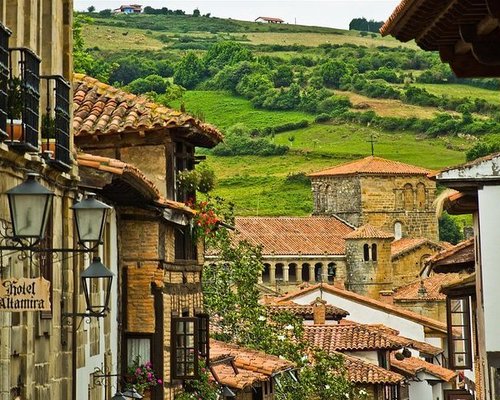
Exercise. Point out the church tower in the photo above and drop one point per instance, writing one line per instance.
(386, 194)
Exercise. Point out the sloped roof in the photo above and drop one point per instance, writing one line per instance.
(372, 166)
(368, 231)
(250, 360)
(369, 302)
(360, 371)
(103, 110)
(405, 245)
(136, 177)
(240, 380)
(461, 253)
(294, 235)
(414, 365)
(432, 285)
(306, 310)
(348, 337)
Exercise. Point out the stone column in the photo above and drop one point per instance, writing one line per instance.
(286, 270)
(312, 277)
(272, 273)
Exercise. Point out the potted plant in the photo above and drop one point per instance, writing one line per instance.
(142, 377)
(15, 103)
(48, 135)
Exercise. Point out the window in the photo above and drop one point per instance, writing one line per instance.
(318, 272)
(459, 333)
(398, 230)
(4, 77)
(266, 274)
(138, 348)
(305, 273)
(332, 272)
(382, 359)
(184, 348)
(374, 252)
(391, 392)
(185, 247)
(421, 200)
(204, 335)
(408, 197)
(366, 252)
(184, 160)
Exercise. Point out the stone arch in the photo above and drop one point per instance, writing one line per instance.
(278, 272)
(318, 272)
(421, 196)
(305, 273)
(423, 260)
(398, 230)
(408, 197)
(292, 272)
(374, 252)
(266, 273)
(366, 252)
(332, 271)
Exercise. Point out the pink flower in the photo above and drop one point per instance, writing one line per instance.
(159, 381)
(138, 371)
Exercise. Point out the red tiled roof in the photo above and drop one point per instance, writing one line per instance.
(360, 371)
(117, 167)
(372, 166)
(294, 235)
(396, 15)
(347, 337)
(405, 245)
(306, 310)
(369, 232)
(226, 375)
(251, 360)
(414, 365)
(100, 109)
(273, 19)
(432, 285)
(358, 298)
(463, 252)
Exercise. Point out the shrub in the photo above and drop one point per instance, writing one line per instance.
(151, 83)
(323, 118)
(189, 71)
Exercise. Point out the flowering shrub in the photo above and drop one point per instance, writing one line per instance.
(142, 375)
(202, 388)
(205, 220)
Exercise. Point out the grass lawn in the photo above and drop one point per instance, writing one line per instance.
(113, 38)
(224, 110)
(457, 90)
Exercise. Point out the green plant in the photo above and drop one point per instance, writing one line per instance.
(14, 98)
(142, 375)
(201, 388)
(48, 127)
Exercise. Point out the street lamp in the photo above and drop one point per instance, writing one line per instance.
(119, 396)
(132, 394)
(29, 205)
(94, 273)
(90, 215)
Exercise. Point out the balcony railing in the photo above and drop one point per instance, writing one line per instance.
(56, 121)
(23, 99)
(4, 78)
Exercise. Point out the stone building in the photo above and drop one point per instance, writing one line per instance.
(159, 262)
(390, 195)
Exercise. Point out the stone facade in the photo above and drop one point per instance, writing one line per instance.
(407, 266)
(380, 200)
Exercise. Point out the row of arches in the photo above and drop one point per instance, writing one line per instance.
(414, 198)
(298, 272)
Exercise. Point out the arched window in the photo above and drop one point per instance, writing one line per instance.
(374, 252)
(421, 200)
(279, 272)
(292, 272)
(366, 252)
(408, 197)
(305, 273)
(265, 273)
(318, 272)
(398, 230)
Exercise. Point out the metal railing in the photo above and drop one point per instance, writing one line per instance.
(56, 121)
(4, 78)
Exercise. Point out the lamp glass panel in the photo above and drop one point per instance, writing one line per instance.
(89, 224)
(29, 215)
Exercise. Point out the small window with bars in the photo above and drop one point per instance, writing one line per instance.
(185, 348)
(4, 79)
(459, 333)
(391, 392)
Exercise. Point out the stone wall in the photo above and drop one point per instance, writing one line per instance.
(435, 309)
(407, 266)
(368, 277)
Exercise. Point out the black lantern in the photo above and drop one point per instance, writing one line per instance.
(118, 396)
(132, 394)
(95, 273)
(90, 215)
(30, 205)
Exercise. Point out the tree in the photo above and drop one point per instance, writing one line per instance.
(151, 83)
(225, 53)
(106, 13)
(283, 76)
(332, 71)
(196, 12)
(91, 9)
(449, 230)
(189, 71)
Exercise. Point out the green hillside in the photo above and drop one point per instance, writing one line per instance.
(306, 97)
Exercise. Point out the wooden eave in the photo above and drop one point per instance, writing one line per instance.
(465, 32)
(463, 203)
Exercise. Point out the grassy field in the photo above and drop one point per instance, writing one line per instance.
(223, 110)
(458, 91)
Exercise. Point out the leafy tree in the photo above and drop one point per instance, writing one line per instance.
(225, 53)
(196, 12)
(449, 231)
(151, 83)
(189, 71)
(283, 76)
(106, 13)
(332, 71)
(253, 85)
(482, 149)
(131, 68)
(91, 9)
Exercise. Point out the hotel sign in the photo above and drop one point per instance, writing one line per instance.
(24, 294)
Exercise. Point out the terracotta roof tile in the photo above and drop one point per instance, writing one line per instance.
(101, 109)
(358, 298)
(463, 252)
(347, 337)
(360, 371)
(414, 365)
(240, 380)
(372, 166)
(432, 285)
(251, 360)
(396, 15)
(402, 246)
(306, 310)
(294, 235)
(369, 232)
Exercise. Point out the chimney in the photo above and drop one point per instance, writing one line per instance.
(386, 296)
(319, 311)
